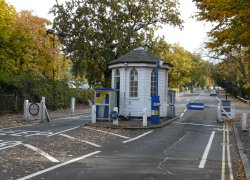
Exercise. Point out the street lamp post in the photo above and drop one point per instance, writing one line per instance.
(54, 33)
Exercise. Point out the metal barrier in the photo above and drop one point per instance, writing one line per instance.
(225, 111)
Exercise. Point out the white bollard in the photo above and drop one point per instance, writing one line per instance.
(26, 110)
(72, 105)
(244, 121)
(115, 121)
(93, 119)
(43, 109)
(145, 117)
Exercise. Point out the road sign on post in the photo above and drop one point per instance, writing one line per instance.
(155, 109)
(196, 106)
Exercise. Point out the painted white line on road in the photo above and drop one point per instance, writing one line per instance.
(87, 142)
(9, 144)
(41, 152)
(205, 154)
(197, 97)
(137, 137)
(229, 163)
(223, 155)
(181, 114)
(64, 131)
(58, 165)
(106, 132)
(185, 110)
(193, 124)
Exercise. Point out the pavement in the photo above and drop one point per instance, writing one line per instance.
(241, 137)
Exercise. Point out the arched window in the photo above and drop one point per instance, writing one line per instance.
(133, 81)
(117, 79)
(153, 83)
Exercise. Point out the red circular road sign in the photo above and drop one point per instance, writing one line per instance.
(34, 109)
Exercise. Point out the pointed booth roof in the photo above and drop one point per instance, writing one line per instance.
(139, 55)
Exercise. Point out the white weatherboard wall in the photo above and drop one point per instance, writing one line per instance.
(134, 106)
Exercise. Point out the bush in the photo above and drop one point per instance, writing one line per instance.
(33, 88)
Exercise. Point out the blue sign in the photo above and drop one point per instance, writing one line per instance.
(155, 109)
(114, 115)
(196, 106)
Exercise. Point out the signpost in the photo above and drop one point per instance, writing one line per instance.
(34, 109)
(196, 106)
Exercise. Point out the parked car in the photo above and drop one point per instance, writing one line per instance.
(213, 92)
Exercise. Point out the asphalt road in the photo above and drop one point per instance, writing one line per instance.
(192, 147)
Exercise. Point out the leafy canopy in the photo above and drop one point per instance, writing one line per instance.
(101, 31)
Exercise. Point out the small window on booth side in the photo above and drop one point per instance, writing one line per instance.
(133, 82)
(117, 79)
(153, 83)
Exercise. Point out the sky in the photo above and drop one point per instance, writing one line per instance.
(191, 37)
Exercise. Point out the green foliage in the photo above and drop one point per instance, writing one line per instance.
(103, 31)
(229, 40)
(57, 93)
(231, 23)
(188, 69)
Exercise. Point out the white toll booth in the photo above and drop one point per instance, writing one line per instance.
(134, 74)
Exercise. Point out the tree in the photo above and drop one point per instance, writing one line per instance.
(102, 31)
(231, 23)
(7, 19)
(188, 69)
(230, 35)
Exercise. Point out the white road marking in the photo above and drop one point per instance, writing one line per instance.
(106, 132)
(41, 134)
(144, 134)
(223, 155)
(9, 144)
(41, 152)
(229, 163)
(197, 97)
(181, 114)
(185, 110)
(70, 137)
(58, 165)
(64, 131)
(193, 124)
(205, 154)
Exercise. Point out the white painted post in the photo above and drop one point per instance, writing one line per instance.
(93, 119)
(43, 109)
(145, 117)
(115, 121)
(244, 121)
(72, 105)
(232, 111)
(26, 110)
(219, 112)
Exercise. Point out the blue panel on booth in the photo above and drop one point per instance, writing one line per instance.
(155, 109)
